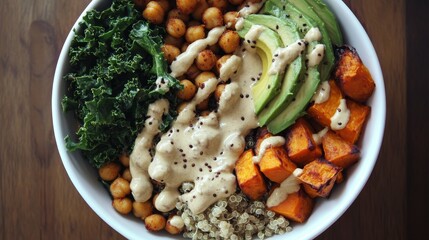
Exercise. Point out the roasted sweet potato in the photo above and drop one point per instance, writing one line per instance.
(297, 207)
(276, 165)
(249, 177)
(352, 76)
(338, 151)
(323, 112)
(318, 177)
(300, 144)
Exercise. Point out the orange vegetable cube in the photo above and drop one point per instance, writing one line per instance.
(296, 207)
(249, 177)
(276, 165)
(338, 151)
(358, 115)
(300, 144)
(318, 177)
(352, 75)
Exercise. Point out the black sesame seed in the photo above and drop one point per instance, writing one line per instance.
(185, 160)
(277, 27)
(201, 153)
(184, 165)
(299, 43)
(273, 60)
(175, 163)
(269, 86)
(248, 41)
(340, 123)
(254, 41)
(150, 123)
(253, 79)
(190, 146)
(253, 46)
(241, 96)
(214, 195)
(339, 109)
(180, 150)
(201, 169)
(183, 155)
(242, 118)
(193, 164)
(232, 145)
(247, 95)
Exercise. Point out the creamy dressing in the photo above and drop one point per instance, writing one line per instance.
(239, 24)
(284, 56)
(313, 34)
(250, 8)
(322, 93)
(341, 117)
(185, 59)
(251, 37)
(317, 137)
(140, 158)
(288, 186)
(316, 55)
(230, 67)
(267, 143)
(177, 221)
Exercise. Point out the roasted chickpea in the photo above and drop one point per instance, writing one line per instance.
(204, 105)
(109, 171)
(155, 222)
(221, 4)
(186, 6)
(229, 41)
(188, 91)
(122, 205)
(125, 160)
(230, 19)
(212, 17)
(165, 4)
(201, 7)
(170, 52)
(205, 60)
(142, 209)
(219, 90)
(175, 13)
(221, 61)
(193, 72)
(154, 12)
(174, 228)
(203, 77)
(194, 33)
(181, 106)
(235, 2)
(120, 188)
(176, 27)
(177, 42)
(126, 174)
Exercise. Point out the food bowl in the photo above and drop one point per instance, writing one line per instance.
(326, 211)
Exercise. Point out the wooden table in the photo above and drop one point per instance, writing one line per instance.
(38, 200)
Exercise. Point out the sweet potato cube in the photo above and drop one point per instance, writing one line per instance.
(300, 144)
(323, 112)
(352, 75)
(296, 207)
(338, 151)
(276, 165)
(318, 177)
(249, 177)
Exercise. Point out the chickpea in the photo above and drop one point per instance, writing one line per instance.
(126, 174)
(155, 222)
(188, 91)
(181, 106)
(184, 47)
(235, 2)
(221, 4)
(186, 6)
(165, 4)
(175, 13)
(154, 12)
(176, 27)
(221, 61)
(203, 77)
(193, 72)
(229, 41)
(120, 188)
(142, 209)
(205, 60)
(177, 42)
(202, 5)
(109, 171)
(194, 33)
(230, 19)
(122, 205)
(171, 228)
(204, 105)
(125, 160)
(170, 52)
(219, 90)
(212, 17)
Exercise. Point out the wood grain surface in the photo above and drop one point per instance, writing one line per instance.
(38, 201)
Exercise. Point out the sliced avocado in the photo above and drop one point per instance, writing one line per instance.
(329, 19)
(269, 84)
(288, 33)
(298, 14)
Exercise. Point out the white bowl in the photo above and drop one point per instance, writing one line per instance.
(326, 211)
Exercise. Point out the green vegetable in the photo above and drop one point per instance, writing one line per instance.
(115, 60)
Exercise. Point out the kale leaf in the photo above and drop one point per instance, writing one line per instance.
(115, 59)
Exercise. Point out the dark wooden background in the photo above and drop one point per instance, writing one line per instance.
(38, 201)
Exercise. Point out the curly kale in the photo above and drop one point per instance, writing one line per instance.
(115, 59)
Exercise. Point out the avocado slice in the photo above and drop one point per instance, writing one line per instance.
(269, 84)
(305, 18)
(289, 34)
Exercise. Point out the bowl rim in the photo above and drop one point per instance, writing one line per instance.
(341, 10)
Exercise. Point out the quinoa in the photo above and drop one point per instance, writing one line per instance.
(235, 218)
